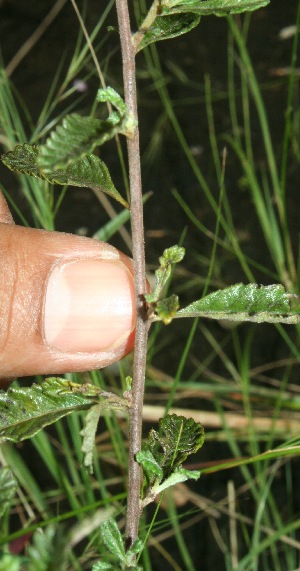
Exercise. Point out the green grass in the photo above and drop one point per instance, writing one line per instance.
(244, 380)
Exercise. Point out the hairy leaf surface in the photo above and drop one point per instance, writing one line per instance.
(165, 28)
(170, 257)
(178, 437)
(89, 434)
(249, 302)
(78, 135)
(170, 18)
(113, 539)
(212, 7)
(24, 411)
(89, 171)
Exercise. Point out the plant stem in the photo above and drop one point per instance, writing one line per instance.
(138, 252)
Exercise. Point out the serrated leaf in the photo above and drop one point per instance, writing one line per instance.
(170, 257)
(251, 302)
(164, 28)
(8, 488)
(78, 135)
(89, 433)
(89, 171)
(151, 467)
(23, 159)
(178, 437)
(184, 436)
(212, 7)
(112, 538)
(75, 137)
(26, 410)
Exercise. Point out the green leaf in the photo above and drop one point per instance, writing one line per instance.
(165, 28)
(212, 7)
(89, 434)
(151, 467)
(112, 538)
(88, 171)
(170, 257)
(75, 137)
(26, 410)
(170, 18)
(8, 488)
(178, 437)
(78, 135)
(23, 159)
(66, 157)
(109, 95)
(249, 302)
(178, 476)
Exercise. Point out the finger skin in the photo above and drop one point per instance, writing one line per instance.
(27, 256)
(5, 214)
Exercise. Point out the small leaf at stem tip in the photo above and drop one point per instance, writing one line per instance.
(171, 256)
(109, 95)
(129, 123)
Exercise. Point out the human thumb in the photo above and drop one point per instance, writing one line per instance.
(66, 302)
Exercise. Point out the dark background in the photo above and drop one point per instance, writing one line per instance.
(202, 51)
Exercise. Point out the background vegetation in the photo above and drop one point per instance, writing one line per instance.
(219, 119)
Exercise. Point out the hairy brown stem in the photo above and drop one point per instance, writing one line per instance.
(138, 251)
